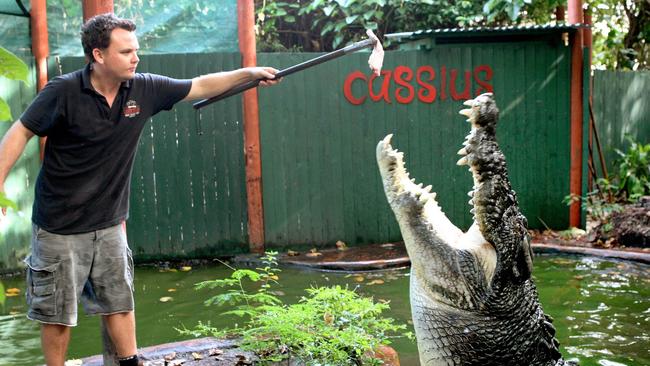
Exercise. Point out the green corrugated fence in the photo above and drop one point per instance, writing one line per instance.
(319, 129)
(621, 107)
(321, 182)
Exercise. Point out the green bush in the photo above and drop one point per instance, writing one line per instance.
(329, 326)
(633, 171)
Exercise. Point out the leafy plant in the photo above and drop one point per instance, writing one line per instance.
(323, 25)
(634, 171)
(329, 326)
(599, 203)
(5, 202)
(13, 68)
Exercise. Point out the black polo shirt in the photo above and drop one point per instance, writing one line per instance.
(85, 179)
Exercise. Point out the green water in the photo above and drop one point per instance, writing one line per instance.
(601, 309)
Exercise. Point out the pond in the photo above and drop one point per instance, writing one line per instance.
(601, 308)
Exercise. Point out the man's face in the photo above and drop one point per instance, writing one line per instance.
(121, 57)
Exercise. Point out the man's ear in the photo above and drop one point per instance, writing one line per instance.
(97, 55)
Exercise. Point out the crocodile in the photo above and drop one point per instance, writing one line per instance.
(473, 300)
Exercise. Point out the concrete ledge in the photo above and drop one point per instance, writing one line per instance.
(627, 254)
(393, 255)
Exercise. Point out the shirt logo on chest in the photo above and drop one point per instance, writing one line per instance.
(131, 109)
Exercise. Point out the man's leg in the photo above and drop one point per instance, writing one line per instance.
(54, 341)
(121, 328)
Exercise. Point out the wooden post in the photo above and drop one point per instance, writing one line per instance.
(559, 14)
(588, 42)
(246, 24)
(575, 181)
(40, 50)
(96, 7)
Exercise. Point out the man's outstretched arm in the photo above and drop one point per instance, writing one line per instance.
(11, 146)
(207, 86)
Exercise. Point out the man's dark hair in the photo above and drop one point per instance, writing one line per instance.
(96, 32)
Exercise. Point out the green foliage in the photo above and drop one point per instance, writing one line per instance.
(3, 297)
(621, 30)
(320, 25)
(520, 11)
(13, 68)
(633, 173)
(329, 326)
(5, 202)
(630, 182)
(247, 304)
(599, 203)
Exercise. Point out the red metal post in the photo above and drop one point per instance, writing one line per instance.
(575, 181)
(246, 24)
(40, 49)
(588, 42)
(96, 7)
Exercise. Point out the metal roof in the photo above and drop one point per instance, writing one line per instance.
(486, 31)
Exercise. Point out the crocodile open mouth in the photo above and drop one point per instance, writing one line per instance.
(397, 182)
(414, 202)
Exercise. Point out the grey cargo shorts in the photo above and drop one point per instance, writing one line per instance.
(95, 268)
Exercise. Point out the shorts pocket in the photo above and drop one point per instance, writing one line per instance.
(41, 285)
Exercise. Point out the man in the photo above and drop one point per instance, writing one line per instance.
(93, 119)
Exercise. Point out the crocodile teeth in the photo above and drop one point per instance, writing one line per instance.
(466, 112)
(462, 151)
(428, 188)
(462, 161)
(470, 193)
(469, 102)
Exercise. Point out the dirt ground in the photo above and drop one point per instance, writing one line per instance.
(628, 229)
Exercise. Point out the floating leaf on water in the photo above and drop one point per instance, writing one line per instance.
(314, 253)
(359, 278)
(11, 292)
(186, 268)
(291, 253)
(171, 290)
(13, 312)
(166, 299)
(277, 293)
(197, 356)
(173, 270)
(376, 282)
